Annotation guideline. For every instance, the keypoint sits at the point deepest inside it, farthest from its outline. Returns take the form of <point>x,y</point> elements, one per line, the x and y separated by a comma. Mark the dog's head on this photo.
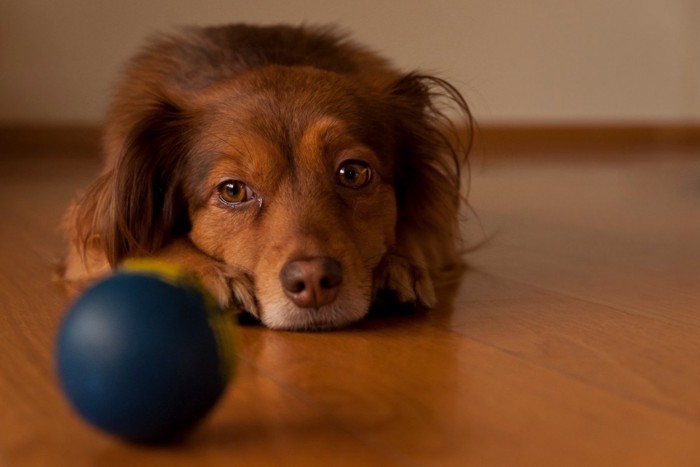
<point>287,179</point>
<point>300,176</point>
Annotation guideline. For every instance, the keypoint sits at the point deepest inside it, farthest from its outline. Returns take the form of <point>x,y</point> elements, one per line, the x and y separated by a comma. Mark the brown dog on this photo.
<point>296,173</point>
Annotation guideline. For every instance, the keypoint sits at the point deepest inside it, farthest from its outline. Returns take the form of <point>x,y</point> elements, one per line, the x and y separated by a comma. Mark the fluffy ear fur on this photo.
<point>136,207</point>
<point>431,156</point>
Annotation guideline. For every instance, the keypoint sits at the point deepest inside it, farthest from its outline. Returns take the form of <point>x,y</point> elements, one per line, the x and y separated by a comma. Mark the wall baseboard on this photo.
<point>22,139</point>
<point>579,139</point>
<point>489,140</point>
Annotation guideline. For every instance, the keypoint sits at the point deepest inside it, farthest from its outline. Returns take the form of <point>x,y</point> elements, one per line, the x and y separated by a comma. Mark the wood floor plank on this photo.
<point>442,399</point>
<point>636,357</point>
<point>624,235</point>
<point>255,424</point>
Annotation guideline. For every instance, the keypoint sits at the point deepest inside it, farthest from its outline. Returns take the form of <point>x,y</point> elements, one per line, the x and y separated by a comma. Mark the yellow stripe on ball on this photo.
<point>226,335</point>
<point>170,272</point>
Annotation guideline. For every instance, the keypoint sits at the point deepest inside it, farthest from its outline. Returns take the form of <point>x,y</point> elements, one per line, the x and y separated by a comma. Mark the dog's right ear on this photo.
<point>138,206</point>
<point>148,205</point>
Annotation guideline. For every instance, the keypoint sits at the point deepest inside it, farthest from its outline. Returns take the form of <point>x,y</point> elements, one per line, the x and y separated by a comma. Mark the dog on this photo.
<point>296,173</point>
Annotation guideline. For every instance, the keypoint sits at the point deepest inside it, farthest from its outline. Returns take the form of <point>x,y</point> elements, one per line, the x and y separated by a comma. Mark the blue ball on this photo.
<point>145,353</point>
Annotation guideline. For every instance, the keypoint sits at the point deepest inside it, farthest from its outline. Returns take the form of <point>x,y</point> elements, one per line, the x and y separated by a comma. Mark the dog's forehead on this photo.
<point>269,156</point>
<point>318,140</point>
<point>298,123</point>
<point>279,103</point>
<point>289,115</point>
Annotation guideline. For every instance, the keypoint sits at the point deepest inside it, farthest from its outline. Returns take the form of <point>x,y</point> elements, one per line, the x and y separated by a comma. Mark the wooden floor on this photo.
<point>574,339</point>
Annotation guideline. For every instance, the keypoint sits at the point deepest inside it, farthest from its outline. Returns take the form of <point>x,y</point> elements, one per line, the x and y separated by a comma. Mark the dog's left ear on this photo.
<point>432,149</point>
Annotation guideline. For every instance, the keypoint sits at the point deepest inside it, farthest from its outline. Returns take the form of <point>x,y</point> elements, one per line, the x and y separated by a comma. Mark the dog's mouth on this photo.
<point>312,293</point>
<point>282,314</point>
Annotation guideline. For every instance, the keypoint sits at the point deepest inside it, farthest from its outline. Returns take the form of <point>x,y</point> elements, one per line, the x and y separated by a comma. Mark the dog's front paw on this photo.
<point>230,286</point>
<point>410,282</point>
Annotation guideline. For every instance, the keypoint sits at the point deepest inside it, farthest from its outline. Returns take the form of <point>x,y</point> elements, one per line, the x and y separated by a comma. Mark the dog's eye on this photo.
<point>233,192</point>
<point>354,174</point>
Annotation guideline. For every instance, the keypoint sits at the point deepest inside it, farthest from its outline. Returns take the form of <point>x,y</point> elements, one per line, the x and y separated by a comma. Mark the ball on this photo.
<point>146,353</point>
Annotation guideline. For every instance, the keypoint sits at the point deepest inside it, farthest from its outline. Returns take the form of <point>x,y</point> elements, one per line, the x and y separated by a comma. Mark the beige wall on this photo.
<point>516,61</point>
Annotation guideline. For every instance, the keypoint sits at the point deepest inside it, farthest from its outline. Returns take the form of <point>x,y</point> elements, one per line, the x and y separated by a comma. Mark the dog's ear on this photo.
<point>148,206</point>
<point>138,206</point>
<point>434,127</point>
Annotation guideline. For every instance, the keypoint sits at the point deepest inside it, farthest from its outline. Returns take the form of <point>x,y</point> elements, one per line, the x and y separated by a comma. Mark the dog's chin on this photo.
<point>282,314</point>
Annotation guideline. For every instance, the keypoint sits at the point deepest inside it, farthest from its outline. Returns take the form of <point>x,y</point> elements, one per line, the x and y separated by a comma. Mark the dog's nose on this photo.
<point>312,282</point>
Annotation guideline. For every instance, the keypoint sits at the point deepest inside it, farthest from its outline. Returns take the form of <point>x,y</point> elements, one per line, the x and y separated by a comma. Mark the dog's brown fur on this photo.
<point>280,112</point>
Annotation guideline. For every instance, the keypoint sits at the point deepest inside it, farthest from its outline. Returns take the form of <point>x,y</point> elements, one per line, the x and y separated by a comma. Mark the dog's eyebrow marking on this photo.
<point>320,132</point>
<point>249,152</point>
<point>228,144</point>
<point>327,127</point>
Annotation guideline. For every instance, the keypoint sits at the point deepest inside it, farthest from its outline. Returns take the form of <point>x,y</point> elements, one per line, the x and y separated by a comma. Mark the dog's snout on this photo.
<point>312,282</point>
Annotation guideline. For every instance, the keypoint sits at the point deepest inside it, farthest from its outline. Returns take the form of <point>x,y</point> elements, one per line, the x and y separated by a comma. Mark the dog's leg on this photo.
<point>405,271</point>
<point>81,267</point>
<point>232,287</point>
